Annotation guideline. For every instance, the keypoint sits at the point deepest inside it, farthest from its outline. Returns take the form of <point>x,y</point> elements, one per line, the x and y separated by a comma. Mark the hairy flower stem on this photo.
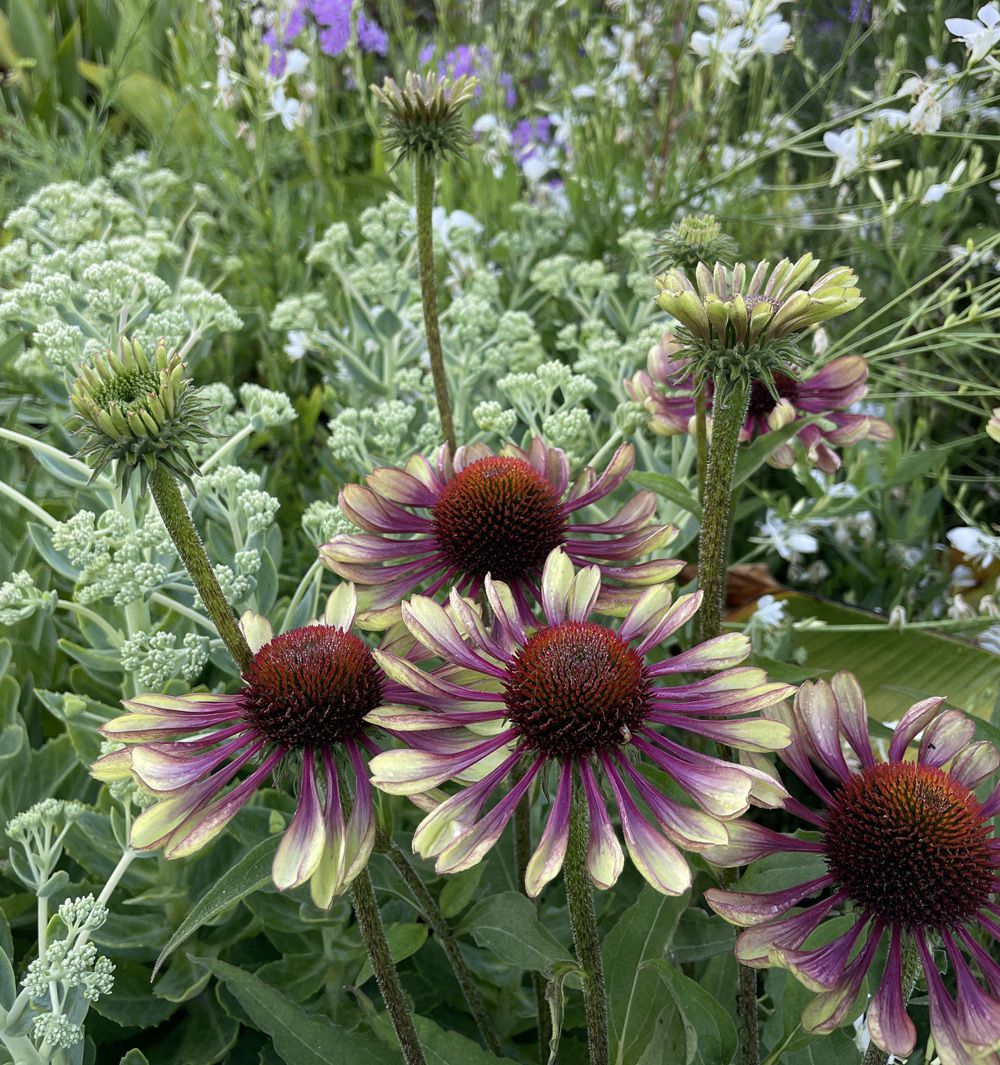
<point>442,930</point>
<point>423,180</point>
<point>522,853</point>
<point>875,1055</point>
<point>580,896</point>
<point>370,923</point>
<point>167,496</point>
<point>701,438</point>
<point>729,410</point>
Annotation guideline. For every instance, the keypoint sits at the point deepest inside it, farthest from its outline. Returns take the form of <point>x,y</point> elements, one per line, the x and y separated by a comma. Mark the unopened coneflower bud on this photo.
<point>139,411</point>
<point>695,239</point>
<point>423,116</point>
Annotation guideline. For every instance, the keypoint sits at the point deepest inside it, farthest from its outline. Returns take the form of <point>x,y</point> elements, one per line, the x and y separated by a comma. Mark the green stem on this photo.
<point>370,923</point>
<point>442,930</point>
<point>729,409</point>
<point>701,435</point>
<point>424,190</point>
<point>580,896</point>
<point>875,1055</point>
<point>176,518</point>
<point>522,854</point>
<point>746,1003</point>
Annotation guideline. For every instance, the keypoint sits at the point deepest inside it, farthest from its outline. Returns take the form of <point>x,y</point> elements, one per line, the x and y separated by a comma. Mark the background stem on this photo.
<point>373,933</point>
<point>167,496</point>
<point>442,931</point>
<point>423,177</point>
<point>580,896</point>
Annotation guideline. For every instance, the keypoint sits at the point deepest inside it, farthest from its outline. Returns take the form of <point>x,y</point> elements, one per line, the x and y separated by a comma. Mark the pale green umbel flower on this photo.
<point>723,308</point>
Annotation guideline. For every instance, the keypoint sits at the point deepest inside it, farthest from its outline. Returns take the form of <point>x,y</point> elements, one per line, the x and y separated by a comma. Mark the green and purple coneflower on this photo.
<point>580,698</point>
<point>910,853</point>
<point>432,526</point>
<point>304,704</point>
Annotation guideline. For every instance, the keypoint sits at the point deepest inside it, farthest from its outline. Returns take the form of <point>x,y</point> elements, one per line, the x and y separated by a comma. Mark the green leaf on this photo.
<point>508,926</point>
<point>635,994</point>
<point>8,983</point>
<point>670,488</point>
<point>299,1038</point>
<point>751,458</point>
<point>700,935</point>
<point>708,1028</point>
<point>134,1057</point>
<point>250,874</point>
<point>404,940</point>
<point>897,669</point>
<point>31,37</point>
<point>440,1047</point>
<point>555,996</point>
<point>132,1003</point>
<point>459,891</point>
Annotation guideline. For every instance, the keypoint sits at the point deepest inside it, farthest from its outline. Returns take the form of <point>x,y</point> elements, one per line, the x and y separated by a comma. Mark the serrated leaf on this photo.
<point>250,874</point>
<point>299,1038</point>
<point>709,1030</point>
<point>508,926</point>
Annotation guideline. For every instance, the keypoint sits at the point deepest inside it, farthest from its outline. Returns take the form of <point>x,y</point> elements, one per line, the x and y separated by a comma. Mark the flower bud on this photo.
<point>423,118</point>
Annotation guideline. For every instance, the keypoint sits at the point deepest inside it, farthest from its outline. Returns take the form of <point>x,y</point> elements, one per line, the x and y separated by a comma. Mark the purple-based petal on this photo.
<point>613,475</point>
<point>639,510</point>
<point>754,734</point>
<point>823,968</point>
<point>167,768</point>
<point>888,1021</point>
<point>721,652</point>
<point>828,1010</point>
<point>375,514</point>
<point>399,486</point>
<point>473,844</point>
<point>672,621</point>
<point>978,1013</point>
<point>975,763</point>
<point>758,945</point>
<point>747,908</point>
<point>853,715</point>
<point>605,860</point>
<point>432,627</point>
<point>816,707</point>
<point>944,737</point>
<point>406,772</point>
<point>359,836</point>
<point>327,880</point>
<point>691,829</point>
<point>301,846</point>
<point>917,718</point>
<point>545,863</point>
<point>717,787</point>
<point>749,841</point>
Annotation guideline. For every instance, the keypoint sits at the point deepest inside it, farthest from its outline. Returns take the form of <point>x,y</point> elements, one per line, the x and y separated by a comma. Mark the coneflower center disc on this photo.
<point>576,688</point>
<point>128,388</point>
<point>499,516</point>
<point>762,402</point>
<point>911,846</point>
<point>311,686</point>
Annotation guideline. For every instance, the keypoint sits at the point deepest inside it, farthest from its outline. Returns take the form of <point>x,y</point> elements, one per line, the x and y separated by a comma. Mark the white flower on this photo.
<point>848,146</point>
<point>979,35</point>
<point>774,35</point>
<point>583,92</point>
<point>296,62</point>
<point>935,193</point>
<point>975,545</point>
<point>788,539</point>
<point>770,612</point>
<point>925,115</point>
<point>297,344</point>
<point>287,108</point>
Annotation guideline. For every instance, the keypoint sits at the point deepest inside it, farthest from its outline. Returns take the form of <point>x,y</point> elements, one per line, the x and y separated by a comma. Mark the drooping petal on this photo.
<point>749,841</point>
<point>917,718</point>
<point>403,772</point>
<point>828,1010</point>
<point>605,859</point>
<point>301,848</point>
<point>748,908</point>
<point>888,1021</point>
<point>359,836</point>
<point>823,967</point>
<point>341,607</point>
<point>256,630</point>
<point>545,863</point>
<point>758,945</point>
<point>327,879</point>
<point>944,737</point>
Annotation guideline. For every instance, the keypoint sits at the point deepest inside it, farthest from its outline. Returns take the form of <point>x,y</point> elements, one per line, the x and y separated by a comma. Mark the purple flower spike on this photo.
<point>371,37</point>
<point>912,850</point>
<point>569,697</point>
<point>498,514</point>
<point>304,704</point>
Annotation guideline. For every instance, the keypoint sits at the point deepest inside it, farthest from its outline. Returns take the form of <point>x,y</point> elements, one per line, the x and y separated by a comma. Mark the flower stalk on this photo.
<point>442,930</point>
<point>166,494</point>
<point>372,931</point>
<point>729,412</point>
<point>423,180</point>
<point>580,896</point>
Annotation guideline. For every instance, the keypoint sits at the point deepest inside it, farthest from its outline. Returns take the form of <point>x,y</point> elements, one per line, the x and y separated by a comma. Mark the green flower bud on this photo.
<point>136,411</point>
<point>423,118</point>
<point>695,239</point>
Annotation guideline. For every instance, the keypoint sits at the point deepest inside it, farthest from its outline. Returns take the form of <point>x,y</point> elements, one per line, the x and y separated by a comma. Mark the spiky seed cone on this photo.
<point>423,118</point>
<point>137,412</point>
<point>692,240</point>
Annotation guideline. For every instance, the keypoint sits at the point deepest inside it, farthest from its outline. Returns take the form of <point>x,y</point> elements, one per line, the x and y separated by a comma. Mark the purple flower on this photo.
<point>371,37</point>
<point>571,697</point>
<point>909,851</point>
<point>286,29</point>
<point>335,18</point>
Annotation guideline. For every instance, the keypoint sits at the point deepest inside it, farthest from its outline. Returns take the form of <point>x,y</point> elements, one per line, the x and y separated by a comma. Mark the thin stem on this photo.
<point>701,435</point>
<point>370,923</point>
<point>729,409</point>
<point>875,1055</point>
<point>29,505</point>
<point>431,911</point>
<point>176,518</point>
<point>580,896</point>
<point>522,854</point>
<point>423,176</point>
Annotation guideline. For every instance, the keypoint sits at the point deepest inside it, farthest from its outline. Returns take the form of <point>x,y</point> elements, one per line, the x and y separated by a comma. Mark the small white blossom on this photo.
<point>979,35</point>
<point>789,539</point>
<point>975,544</point>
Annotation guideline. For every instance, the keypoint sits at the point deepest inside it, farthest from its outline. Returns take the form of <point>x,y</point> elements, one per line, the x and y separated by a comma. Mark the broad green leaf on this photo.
<point>134,1057</point>
<point>670,488</point>
<point>8,983</point>
<point>132,1003</point>
<point>508,926</point>
<point>299,1038</point>
<point>897,669</point>
<point>708,1028</point>
<point>701,935</point>
<point>753,456</point>
<point>459,890</point>
<point>440,1047</point>
<point>635,995</point>
<point>30,36</point>
<point>555,996</point>
<point>404,940</point>
<point>249,875</point>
